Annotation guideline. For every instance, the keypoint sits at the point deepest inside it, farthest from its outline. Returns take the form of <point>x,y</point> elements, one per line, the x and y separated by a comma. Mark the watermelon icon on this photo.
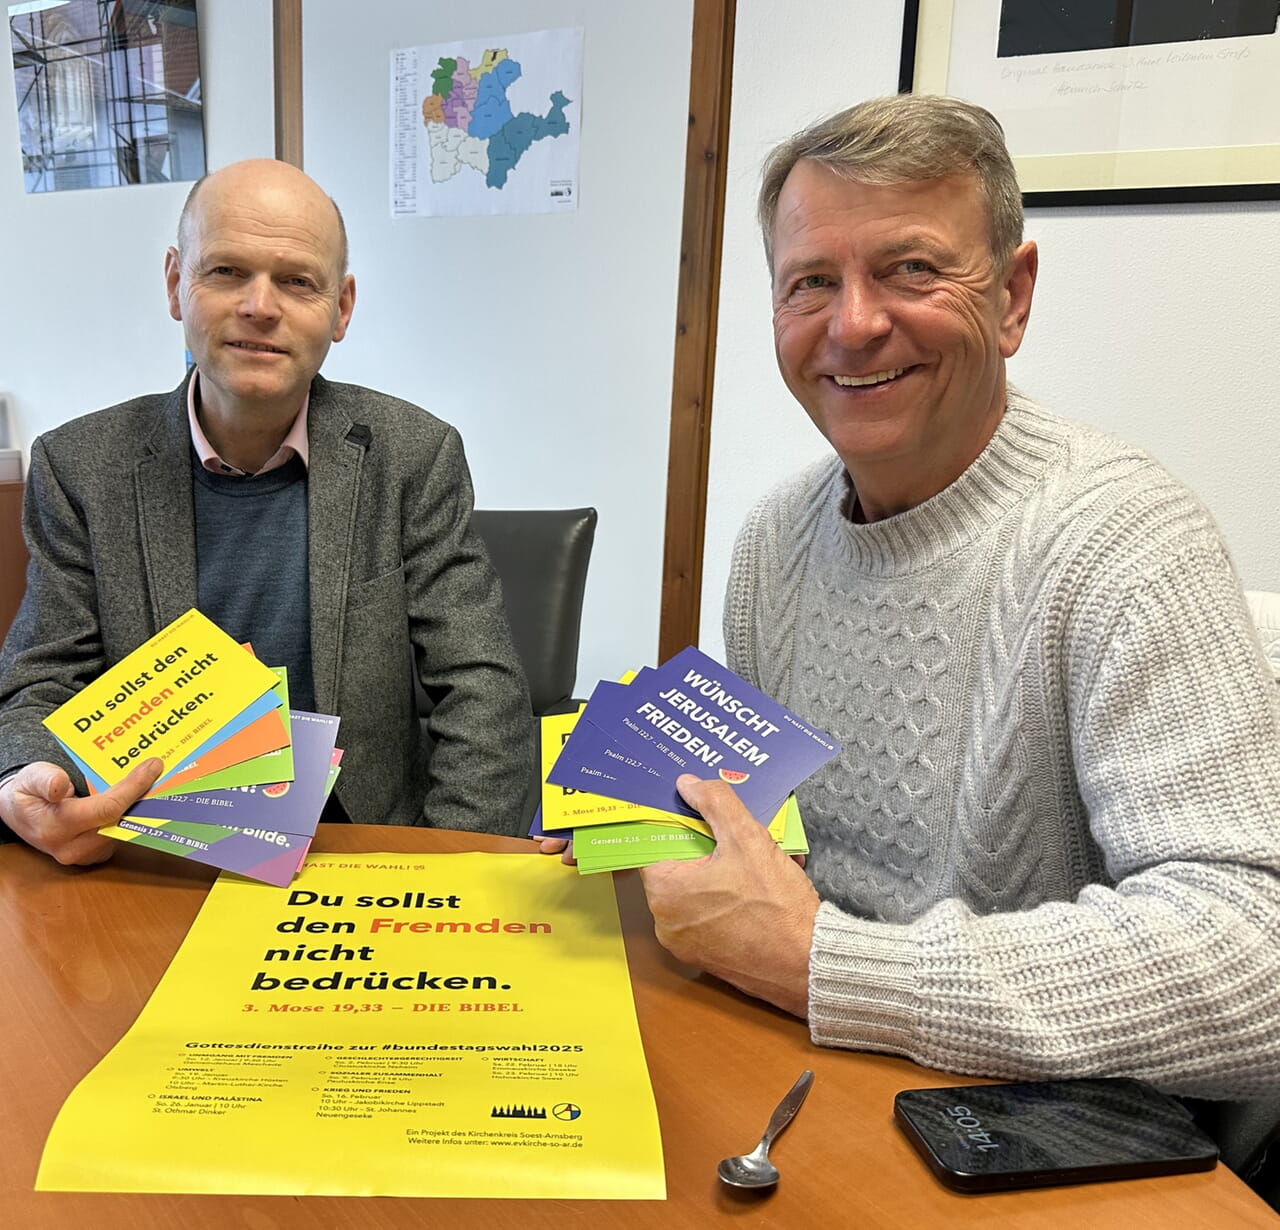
<point>274,792</point>
<point>734,777</point>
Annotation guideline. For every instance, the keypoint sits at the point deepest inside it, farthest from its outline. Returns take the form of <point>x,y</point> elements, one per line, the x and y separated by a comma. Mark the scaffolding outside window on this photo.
<point>108,92</point>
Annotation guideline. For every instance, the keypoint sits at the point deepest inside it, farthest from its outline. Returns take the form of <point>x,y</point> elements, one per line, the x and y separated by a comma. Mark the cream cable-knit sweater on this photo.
<point>1051,846</point>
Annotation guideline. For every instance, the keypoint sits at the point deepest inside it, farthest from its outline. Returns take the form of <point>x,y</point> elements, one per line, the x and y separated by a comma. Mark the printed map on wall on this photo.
<point>486,126</point>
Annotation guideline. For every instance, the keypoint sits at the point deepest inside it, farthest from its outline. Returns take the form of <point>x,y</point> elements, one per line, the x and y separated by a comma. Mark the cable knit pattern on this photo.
<point>1051,846</point>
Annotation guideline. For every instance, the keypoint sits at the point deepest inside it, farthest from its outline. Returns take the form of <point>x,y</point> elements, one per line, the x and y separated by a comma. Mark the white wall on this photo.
<point>546,339</point>
<point>1157,322</point>
<point>84,322</point>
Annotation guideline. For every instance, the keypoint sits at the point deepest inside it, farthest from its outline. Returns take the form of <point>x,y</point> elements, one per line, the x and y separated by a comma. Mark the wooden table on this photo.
<point>81,949</point>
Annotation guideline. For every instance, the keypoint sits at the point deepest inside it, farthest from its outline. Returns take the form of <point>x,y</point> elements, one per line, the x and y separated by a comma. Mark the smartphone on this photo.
<point>981,1138</point>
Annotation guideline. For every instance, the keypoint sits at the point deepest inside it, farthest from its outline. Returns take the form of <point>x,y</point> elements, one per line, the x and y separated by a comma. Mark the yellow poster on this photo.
<point>389,1024</point>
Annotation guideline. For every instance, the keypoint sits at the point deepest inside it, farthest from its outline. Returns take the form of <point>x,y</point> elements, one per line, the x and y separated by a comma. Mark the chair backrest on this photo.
<point>541,556</point>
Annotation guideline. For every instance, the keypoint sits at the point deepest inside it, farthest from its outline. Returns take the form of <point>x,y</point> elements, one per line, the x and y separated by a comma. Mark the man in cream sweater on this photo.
<point>1051,845</point>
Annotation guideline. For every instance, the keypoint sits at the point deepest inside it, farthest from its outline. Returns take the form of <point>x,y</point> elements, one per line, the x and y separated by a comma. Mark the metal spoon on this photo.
<point>754,1169</point>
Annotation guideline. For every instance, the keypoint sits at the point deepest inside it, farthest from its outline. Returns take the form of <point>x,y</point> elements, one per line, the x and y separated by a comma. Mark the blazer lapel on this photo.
<point>166,511</point>
<point>336,446</point>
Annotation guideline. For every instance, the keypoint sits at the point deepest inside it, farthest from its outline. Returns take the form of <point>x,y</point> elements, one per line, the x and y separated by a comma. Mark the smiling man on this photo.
<point>892,320</point>
<point>1051,845</point>
<point>326,524</point>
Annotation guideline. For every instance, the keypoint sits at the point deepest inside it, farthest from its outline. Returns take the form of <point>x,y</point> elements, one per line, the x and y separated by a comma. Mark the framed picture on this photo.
<point>1113,100</point>
<point>108,94</point>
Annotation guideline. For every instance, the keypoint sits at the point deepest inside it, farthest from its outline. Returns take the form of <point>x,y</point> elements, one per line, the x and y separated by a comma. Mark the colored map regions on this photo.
<point>521,131</point>
<point>492,110</point>
<point>453,94</point>
<point>470,123</point>
<point>452,149</point>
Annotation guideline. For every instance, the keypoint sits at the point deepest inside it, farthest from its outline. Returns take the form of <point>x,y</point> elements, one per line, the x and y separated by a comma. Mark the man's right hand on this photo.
<point>40,805</point>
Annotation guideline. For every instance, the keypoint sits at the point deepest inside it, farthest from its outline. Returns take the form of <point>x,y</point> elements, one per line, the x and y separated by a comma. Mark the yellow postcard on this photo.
<point>439,1025</point>
<point>171,696</point>
<point>565,808</point>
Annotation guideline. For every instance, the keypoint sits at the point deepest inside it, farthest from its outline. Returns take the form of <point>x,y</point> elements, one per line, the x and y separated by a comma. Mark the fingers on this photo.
<point>111,804</point>
<point>87,845</point>
<point>37,784</point>
<point>83,850</point>
<point>655,878</point>
<point>712,799</point>
<point>49,782</point>
<point>557,845</point>
<point>42,808</point>
<point>720,806</point>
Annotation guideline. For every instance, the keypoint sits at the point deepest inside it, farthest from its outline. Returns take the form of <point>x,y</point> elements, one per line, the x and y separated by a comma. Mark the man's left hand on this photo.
<point>744,912</point>
<point>557,845</point>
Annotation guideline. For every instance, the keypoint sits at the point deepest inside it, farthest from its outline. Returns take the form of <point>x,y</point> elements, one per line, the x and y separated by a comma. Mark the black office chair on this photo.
<point>1248,1138</point>
<point>541,556</point>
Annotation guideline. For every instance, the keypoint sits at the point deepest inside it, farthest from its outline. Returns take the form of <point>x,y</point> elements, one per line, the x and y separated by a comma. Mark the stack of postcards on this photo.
<point>609,770</point>
<point>245,777</point>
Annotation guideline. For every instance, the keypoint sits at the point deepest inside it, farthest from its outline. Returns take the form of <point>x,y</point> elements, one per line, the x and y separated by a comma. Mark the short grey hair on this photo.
<point>905,138</point>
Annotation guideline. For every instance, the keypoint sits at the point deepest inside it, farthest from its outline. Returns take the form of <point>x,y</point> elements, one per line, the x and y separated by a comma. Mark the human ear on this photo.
<point>1019,283</point>
<point>346,305</point>
<point>172,276</point>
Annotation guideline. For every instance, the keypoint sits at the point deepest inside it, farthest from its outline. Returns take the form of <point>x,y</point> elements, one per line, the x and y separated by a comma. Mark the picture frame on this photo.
<point>1092,94</point>
<point>108,95</point>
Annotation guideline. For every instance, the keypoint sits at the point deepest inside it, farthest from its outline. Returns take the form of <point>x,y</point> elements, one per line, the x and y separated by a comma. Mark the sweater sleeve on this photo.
<point>1170,969</point>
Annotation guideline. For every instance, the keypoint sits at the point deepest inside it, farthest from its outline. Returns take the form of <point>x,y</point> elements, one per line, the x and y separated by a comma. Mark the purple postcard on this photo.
<point>690,715</point>
<point>591,760</point>
<point>273,857</point>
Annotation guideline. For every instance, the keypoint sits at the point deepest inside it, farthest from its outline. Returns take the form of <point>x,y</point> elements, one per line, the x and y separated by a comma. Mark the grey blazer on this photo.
<point>397,580</point>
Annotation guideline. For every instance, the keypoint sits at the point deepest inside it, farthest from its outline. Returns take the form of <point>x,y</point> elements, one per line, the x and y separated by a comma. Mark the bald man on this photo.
<point>326,524</point>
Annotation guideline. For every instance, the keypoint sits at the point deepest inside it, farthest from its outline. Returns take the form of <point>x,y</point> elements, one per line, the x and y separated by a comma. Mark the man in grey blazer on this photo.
<point>326,523</point>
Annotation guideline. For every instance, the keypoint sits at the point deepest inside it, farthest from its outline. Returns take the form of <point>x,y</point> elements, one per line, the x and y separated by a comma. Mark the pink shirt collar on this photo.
<point>294,443</point>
